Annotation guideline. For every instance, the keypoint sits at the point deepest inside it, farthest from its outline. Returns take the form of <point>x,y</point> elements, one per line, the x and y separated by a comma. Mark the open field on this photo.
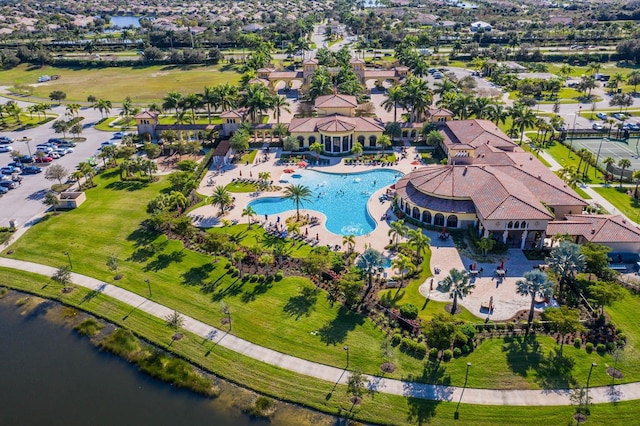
<point>143,84</point>
<point>626,204</point>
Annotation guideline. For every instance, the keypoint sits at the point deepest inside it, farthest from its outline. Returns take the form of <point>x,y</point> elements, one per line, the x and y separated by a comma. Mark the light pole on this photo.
<point>593,364</point>
<point>69,258</point>
<point>573,131</point>
<point>346,348</point>
<point>598,155</point>
<point>466,376</point>
<point>146,280</point>
<point>28,148</point>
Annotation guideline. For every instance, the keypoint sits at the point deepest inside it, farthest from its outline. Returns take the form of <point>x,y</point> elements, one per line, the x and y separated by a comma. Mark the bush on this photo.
<point>589,347</point>
<point>395,339</point>
<point>457,352</point>
<point>447,355</point>
<point>611,346</point>
<point>469,331</point>
<point>501,326</point>
<point>511,326</point>
<point>601,348</point>
<point>466,349</point>
<point>409,311</point>
<point>262,278</point>
<point>245,278</point>
<point>577,343</point>
<point>254,278</point>
<point>433,353</point>
<point>490,326</point>
<point>622,338</point>
<point>279,275</point>
<point>419,350</point>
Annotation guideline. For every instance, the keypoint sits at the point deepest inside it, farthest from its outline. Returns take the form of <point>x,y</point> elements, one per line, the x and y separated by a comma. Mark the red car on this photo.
<point>43,159</point>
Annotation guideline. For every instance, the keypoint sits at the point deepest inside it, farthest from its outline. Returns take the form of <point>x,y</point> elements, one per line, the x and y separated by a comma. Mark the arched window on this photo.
<point>372,140</point>
<point>452,221</point>
<point>516,225</point>
<point>510,225</point>
<point>416,213</point>
<point>523,225</point>
<point>401,203</point>
<point>407,208</point>
<point>327,143</point>
<point>300,141</point>
<point>438,219</point>
<point>426,216</point>
<point>312,140</point>
<point>361,140</point>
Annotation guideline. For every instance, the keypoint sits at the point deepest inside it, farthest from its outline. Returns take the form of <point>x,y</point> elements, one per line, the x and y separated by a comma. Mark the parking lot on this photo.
<point>24,203</point>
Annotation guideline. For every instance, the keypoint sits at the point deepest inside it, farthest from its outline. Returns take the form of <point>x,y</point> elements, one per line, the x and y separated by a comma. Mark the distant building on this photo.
<point>480,26</point>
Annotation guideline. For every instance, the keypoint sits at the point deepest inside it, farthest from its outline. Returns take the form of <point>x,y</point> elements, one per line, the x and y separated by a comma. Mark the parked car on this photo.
<point>619,116</point>
<point>597,126</point>
<point>5,148</point>
<point>630,126</point>
<point>54,155</point>
<point>9,184</point>
<point>31,170</point>
<point>8,170</point>
<point>61,151</point>
<point>44,159</point>
<point>437,75</point>
<point>601,115</point>
<point>3,190</point>
<point>25,159</point>
<point>66,144</point>
<point>118,135</point>
<point>5,140</point>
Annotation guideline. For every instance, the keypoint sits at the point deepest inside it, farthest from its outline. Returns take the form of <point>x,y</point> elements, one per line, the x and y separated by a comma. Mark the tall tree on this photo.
<point>298,194</point>
<point>458,285</point>
<point>535,284</point>
<point>397,230</point>
<point>565,261</point>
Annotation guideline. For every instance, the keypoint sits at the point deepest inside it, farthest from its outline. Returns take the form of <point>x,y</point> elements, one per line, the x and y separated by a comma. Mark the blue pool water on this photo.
<point>341,197</point>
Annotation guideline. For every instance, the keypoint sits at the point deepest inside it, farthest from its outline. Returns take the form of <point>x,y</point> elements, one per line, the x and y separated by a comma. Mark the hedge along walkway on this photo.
<point>626,392</point>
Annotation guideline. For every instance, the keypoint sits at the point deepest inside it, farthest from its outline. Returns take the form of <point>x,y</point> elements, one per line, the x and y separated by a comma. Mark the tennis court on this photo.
<point>613,148</point>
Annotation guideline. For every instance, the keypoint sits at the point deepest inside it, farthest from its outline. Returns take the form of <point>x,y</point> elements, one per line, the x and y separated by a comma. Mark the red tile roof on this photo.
<point>335,123</point>
<point>476,133</point>
<point>336,101</point>
<point>600,229</point>
<point>147,114</point>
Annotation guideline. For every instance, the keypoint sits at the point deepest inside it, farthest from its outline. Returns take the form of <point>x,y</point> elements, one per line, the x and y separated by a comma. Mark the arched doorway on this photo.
<point>452,221</point>
<point>438,219</point>
<point>416,213</point>
<point>426,216</point>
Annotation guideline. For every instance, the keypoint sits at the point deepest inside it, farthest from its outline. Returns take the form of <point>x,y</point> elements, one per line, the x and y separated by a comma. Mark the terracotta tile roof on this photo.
<point>336,101</point>
<point>335,123</point>
<point>476,133</point>
<point>267,70</point>
<point>259,81</point>
<point>147,114</point>
<point>379,73</point>
<point>600,229</point>
<point>494,194</point>
<point>440,112</point>
<point>310,61</point>
<point>356,61</point>
<point>285,74</point>
<point>234,113</point>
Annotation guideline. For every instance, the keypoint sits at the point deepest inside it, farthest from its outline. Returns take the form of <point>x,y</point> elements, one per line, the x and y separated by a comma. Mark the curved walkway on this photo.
<point>626,392</point>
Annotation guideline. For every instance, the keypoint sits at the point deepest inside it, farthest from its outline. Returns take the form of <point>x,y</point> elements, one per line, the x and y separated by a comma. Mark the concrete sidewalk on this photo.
<point>626,392</point>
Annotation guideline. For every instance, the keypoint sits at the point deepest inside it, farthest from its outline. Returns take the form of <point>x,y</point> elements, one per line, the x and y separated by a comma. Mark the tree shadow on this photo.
<point>142,236</point>
<point>391,297</point>
<point>133,185</point>
<point>555,370</point>
<point>164,260</point>
<point>427,390</point>
<point>37,195</point>
<point>93,293</point>
<point>210,286</point>
<point>260,288</point>
<point>237,237</point>
<point>40,309</point>
<point>303,303</point>
<point>335,331</point>
<point>197,275</point>
<point>233,289</point>
<point>523,353</point>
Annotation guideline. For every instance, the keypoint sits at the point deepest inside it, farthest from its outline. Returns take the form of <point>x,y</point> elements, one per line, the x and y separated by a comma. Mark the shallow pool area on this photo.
<point>342,198</point>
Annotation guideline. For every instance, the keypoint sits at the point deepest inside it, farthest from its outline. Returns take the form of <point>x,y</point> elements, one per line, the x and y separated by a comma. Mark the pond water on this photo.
<point>342,198</point>
<point>51,376</point>
<point>125,21</point>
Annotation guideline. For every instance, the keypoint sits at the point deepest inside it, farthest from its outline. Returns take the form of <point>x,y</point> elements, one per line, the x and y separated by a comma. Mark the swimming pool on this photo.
<point>341,197</point>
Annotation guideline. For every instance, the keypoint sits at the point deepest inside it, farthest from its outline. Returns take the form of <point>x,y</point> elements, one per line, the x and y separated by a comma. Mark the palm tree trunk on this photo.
<point>530,320</point>
<point>454,305</point>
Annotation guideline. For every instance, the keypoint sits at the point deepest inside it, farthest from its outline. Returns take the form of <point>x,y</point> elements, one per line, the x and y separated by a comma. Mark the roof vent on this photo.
<point>539,176</point>
<point>593,231</point>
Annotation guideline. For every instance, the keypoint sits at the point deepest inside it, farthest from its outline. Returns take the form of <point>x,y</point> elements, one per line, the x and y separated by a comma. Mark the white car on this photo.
<point>597,126</point>
<point>5,148</point>
<point>54,155</point>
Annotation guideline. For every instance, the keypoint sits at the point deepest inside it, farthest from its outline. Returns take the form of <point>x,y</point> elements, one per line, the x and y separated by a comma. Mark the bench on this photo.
<point>618,267</point>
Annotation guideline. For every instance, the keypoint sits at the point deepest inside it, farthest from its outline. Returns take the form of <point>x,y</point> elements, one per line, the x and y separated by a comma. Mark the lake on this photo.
<point>125,21</point>
<point>51,375</point>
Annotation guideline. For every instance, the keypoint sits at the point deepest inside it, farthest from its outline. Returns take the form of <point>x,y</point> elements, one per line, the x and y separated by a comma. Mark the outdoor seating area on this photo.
<point>370,162</point>
<point>281,232</point>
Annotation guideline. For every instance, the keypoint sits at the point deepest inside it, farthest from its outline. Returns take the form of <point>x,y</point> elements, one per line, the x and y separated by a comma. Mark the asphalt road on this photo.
<point>25,202</point>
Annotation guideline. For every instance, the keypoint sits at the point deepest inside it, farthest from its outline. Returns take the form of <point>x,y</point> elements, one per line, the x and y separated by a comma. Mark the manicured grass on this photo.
<point>143,84</point>
<point>581,193</point>
<point>200,119</point>
<point>10,124</point>
<point>376,408</point>
<point>560,153</point>
<point>241,187</point>
<point>624,315</point>
<point>248,156</point>
<point>104,125</point>
<point>626,204</point>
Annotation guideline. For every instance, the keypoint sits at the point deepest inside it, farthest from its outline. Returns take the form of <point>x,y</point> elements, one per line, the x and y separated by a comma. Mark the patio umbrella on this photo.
<point>288,170</point>
<point>302,164</point>
<point>415,163</point>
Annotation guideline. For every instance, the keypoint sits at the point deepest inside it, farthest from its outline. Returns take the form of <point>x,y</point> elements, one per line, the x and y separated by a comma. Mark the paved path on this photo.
<point>630,391</point>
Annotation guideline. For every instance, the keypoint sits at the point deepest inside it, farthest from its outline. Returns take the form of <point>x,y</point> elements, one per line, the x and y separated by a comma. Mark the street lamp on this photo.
<point>146,280</point>
<point>346,348</point>
<point>573,131</point>
<point>69,258</point>
<point>466,376</point>
<point>28,148</point>
<point>593,364</point>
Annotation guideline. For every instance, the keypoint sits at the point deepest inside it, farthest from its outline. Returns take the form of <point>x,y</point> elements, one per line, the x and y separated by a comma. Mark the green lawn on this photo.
<point>144,84</point>
<point>321,395</point>
<point>241,187</point>
<point>626,204</point>
<point>249,156</point>
<point>26,121</point>
<point>560,153</point>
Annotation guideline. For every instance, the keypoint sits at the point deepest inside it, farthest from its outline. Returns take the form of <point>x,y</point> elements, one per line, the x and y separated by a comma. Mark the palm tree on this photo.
<point>523,118</point>
<point>565,260</point>
<point>458,285</point>
<point>404,265</point>
<point>636,177</point>
<point>397,229</point>
<point>171,101</point>
<point>220,197</point>
<point>249,212</point>
<point>534,284</point>
<point>298,194</point>
<point>419,242</point>
<point>608,162</point>
<point>209,99</point>
<point>369,262</point>
<point>395,96</point>
<point>316,147</point>
<point>104,106</point>
<point>256,99</point>
<point>349,241</point>
<point>497,114</point>
<point>623,164</point>
<point>417,97</point>
<point>357,149</point>
<point>72,109</point>
<point>321,84</point>
<point>191,102</point>
<point>279,103</point>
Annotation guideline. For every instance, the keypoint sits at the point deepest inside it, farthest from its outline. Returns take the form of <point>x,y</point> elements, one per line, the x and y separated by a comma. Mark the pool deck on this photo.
<point>505,300</point>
